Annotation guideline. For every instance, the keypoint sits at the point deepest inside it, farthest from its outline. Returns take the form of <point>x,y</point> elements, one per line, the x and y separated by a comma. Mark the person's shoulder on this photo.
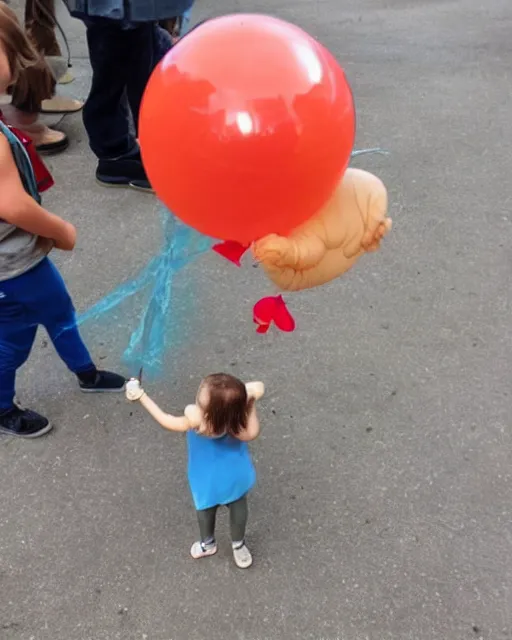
<point>196,431</point>
<point>5,147</point>
<point>6,154</point>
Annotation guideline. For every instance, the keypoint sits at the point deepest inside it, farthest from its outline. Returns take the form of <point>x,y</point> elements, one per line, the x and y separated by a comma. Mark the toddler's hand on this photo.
<point>255,390</point>
<point>193,415</point>
<point>67,239</point>
<point>134,391</point>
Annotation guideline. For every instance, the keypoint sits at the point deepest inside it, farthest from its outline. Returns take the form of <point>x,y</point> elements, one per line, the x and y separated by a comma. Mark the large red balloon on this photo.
<point>246,127</point>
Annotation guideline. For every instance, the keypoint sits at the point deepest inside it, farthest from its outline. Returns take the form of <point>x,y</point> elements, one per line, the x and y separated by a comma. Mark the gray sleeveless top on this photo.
<point>20,250</point>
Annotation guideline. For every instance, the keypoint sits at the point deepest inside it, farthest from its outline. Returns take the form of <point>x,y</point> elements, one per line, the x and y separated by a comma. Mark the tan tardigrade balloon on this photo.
<point>352,223</point>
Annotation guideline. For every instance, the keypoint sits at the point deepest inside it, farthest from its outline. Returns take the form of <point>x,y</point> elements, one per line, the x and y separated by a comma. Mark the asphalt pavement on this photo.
<point>383,509</point>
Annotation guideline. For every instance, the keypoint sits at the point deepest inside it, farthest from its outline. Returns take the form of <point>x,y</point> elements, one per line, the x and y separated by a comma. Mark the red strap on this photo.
<point>44,178</point>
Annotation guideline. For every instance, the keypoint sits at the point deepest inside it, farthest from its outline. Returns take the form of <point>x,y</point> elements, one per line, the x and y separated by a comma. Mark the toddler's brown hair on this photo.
<point>228,405</point>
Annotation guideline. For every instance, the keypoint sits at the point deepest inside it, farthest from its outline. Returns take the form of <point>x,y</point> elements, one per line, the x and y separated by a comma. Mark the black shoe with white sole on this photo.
<point>23,423</point>
<point>95,381</point>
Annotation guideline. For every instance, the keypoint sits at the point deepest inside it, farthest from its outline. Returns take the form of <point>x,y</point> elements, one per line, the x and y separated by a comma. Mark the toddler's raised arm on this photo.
<point>135,392</point>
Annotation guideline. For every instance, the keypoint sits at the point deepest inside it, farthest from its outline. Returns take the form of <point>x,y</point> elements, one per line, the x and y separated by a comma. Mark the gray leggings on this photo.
<point>238,513</point>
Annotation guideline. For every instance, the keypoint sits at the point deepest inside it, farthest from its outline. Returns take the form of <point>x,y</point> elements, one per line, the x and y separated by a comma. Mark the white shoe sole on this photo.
<point>124,185</point>
<point>102,390</point>
<point>203,554</point>
<point>243,563</point>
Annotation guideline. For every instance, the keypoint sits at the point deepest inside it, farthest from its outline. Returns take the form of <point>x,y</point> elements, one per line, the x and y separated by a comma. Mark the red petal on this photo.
<point>232,251</point>
<point>273,309</point>
<point>263,328</point>
<point>282,317</point>
<point>264,310</point>
<point>263,313</point>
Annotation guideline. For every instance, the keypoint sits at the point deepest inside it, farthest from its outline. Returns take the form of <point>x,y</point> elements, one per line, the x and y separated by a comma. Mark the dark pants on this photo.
<point>122,60</point>
<point>238,513</point>
<point>37,297</point>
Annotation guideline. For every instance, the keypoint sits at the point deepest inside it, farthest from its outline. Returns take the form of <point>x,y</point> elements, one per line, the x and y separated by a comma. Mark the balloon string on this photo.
<point>363,152</point>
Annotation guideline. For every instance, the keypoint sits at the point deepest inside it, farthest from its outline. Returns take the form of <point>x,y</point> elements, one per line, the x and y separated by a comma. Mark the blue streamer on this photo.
<point>150,340</point>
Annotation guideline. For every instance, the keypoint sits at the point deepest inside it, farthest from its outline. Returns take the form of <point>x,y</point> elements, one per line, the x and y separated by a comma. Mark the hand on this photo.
<point>375,234</point>
<point>67,238</point>
<point>255,390</point>
<point>194,415</point>
<point>273,250</point>
<point>134,391</point>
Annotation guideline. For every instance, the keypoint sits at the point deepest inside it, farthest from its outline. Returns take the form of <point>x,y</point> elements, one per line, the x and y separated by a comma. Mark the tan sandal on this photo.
<point>66,78</point>
<point>46,140</point>
<point>61,105</point>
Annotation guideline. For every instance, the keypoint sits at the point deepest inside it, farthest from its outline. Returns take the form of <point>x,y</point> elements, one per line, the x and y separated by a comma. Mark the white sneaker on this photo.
<point>200,550</point>
<point>242,557</point>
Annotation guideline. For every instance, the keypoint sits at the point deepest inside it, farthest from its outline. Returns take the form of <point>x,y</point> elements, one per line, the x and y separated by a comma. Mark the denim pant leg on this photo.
<point>37,297</point>
<point>48,303</point>
<point>59,320</point>
<point>17,336</point>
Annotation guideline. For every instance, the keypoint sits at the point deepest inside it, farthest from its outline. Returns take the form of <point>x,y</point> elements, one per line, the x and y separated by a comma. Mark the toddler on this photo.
<point>220,469</point>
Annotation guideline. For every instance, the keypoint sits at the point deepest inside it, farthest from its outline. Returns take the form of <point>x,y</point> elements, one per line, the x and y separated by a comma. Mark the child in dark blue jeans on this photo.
<point>32,291</point>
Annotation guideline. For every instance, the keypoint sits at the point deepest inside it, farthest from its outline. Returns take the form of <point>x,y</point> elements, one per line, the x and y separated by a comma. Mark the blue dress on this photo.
<point>220,470</point>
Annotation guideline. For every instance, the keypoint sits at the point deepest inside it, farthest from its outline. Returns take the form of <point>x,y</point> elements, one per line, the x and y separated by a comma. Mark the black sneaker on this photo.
<point>95,381</point>
<point>23,423</point>
<point>127,171</point>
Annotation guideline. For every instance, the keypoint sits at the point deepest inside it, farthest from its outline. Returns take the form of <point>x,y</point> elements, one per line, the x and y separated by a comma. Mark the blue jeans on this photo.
<point>37,297</point>
<point>122,60</point>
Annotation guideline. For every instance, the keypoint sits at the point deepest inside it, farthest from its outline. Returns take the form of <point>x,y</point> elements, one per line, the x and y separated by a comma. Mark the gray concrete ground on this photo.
<point>383,506</point>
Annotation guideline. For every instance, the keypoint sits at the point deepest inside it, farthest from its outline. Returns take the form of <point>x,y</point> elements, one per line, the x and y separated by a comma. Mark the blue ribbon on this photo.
<point>150,340</point>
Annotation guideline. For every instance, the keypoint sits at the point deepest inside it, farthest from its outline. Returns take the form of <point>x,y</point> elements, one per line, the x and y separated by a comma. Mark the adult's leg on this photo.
<point>106,116</point>
<point>178,26</point>
<point>40,23</point>
<point>206,546</point>
<point>106,112</point>
<point>35,85</point>
<point>149,44</point>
